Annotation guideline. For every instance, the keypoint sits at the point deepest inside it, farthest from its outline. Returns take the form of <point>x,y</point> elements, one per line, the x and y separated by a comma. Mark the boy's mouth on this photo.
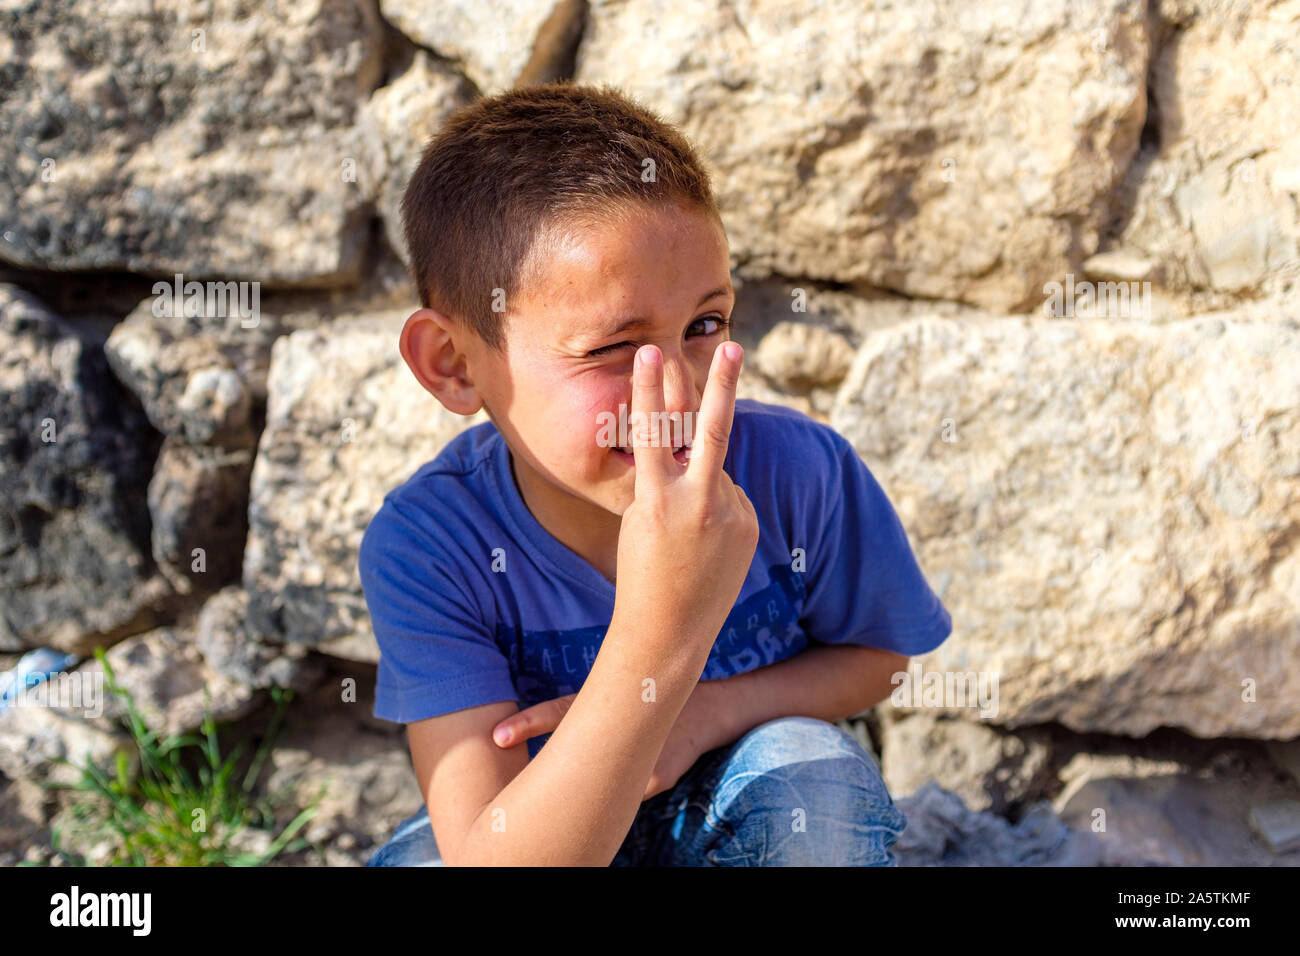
<point>625,454</point>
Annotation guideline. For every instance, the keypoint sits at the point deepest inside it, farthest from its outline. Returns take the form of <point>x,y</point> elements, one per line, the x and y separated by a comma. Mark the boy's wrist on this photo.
<point>724,702</point>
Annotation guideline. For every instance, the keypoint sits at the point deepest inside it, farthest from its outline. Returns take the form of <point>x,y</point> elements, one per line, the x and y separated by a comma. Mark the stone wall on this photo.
<point>1039,263</point>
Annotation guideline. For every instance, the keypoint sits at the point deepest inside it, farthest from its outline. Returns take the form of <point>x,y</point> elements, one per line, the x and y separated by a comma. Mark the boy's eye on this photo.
<point>718,321</point>
<point>606,349</point>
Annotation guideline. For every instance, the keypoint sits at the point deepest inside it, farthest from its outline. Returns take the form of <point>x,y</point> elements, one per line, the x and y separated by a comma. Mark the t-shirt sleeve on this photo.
<point>864,584</point>
<point>436,650</point>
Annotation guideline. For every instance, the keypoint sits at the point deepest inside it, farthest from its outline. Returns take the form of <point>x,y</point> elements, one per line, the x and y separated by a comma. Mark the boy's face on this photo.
<point>549,394</point>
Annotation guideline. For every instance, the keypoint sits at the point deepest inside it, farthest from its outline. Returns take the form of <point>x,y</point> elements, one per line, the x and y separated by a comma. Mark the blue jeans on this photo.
<point>795,791</point>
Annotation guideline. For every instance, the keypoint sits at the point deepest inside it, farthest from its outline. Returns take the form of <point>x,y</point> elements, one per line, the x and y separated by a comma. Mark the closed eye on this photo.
<point>606,349</point>
<point>719,321</point>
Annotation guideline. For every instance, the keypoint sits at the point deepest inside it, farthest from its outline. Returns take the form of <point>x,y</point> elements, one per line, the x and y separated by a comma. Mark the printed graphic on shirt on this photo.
<point>761,629</point>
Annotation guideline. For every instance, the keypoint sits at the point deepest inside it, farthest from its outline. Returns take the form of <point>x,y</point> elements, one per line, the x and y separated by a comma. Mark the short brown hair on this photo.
<point>506,173</point>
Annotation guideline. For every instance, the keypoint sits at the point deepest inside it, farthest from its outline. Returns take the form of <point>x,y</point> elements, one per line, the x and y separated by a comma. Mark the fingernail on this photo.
<point>647,357</point>
<point>731,350</point>
<point>502,736</point>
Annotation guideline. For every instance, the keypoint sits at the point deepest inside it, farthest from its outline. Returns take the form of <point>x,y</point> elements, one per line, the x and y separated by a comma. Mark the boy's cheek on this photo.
<point>595,413</point>
<point>566,414</point>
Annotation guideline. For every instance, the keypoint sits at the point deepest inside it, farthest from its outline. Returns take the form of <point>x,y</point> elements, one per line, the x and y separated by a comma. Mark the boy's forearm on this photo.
<point>574,803</point>
<point>828,681</point>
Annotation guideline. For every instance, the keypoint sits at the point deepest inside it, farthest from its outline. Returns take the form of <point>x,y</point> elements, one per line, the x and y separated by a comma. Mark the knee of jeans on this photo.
<point>798,755</point>
<point>799,791</point>
<point>787,740</point>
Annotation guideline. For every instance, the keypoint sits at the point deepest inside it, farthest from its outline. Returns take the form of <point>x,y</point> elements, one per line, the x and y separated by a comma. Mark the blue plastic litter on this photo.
<point>32,668</point>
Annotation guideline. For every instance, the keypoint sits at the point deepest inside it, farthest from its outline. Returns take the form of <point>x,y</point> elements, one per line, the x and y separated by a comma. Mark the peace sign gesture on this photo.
<point>687,539</point>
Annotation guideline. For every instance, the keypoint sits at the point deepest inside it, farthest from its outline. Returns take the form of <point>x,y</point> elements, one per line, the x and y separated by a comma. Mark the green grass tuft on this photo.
<point>180,804</point>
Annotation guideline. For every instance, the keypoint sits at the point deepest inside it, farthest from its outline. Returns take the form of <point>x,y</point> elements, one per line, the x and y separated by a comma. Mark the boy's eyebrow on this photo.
<point>640,322</point>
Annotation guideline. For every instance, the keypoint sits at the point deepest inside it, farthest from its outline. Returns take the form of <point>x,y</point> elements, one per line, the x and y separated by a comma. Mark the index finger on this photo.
<point>532,721</point>
<point>652,459</point>
<point>717,407</point>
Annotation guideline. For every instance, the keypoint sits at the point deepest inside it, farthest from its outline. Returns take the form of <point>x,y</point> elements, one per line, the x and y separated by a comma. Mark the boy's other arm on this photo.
<point>828,681</point>
<point>459,771</point>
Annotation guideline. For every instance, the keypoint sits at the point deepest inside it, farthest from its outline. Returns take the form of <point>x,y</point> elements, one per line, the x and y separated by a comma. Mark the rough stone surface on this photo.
<point>198,501</point>
<point>490,42</point>
<point>32,739</point>
<point>1169,799</point>
<point>988,769</point>
<point>1277,825</point>
<point>801,356</point>
<point>167,679</point>
<point>397,123</point>
<point>201,377</point>
<point>346,422</point>
<point>935,148</point>
<point>852,313</point>
<point>942,831</point>
<point>1119,267</point>
<point>1109,511</point>
<point>1172,820</point>
<point>753,384</point>
<point>834,319</point>
<point>160,139</point>
<point>228,647</point>
<point>1213,195</point>
<point>198,378</point>
<point>24,814</point>
<point>359,768</point>
<point>1286,754</point>
<point>74,532</point>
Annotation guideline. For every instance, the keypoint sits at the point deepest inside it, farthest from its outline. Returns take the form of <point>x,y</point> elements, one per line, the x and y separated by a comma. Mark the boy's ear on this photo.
<point>431,353</point>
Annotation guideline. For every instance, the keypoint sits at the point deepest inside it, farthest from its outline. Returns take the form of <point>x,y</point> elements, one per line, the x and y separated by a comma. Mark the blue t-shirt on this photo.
<point>473,601</point>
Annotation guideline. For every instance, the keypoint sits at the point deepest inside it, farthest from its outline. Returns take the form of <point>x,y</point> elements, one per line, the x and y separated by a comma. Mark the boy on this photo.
<point>698,603</point>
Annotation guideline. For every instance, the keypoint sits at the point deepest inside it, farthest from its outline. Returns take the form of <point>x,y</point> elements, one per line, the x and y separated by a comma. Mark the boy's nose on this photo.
<point>679,385</point>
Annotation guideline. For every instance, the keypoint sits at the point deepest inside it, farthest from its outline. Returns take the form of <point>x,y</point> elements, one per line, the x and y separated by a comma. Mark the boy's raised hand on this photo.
<point>688,537</point>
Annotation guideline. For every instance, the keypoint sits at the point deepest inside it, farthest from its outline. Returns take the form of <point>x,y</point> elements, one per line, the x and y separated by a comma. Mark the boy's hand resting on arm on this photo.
<point>699,728</point>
